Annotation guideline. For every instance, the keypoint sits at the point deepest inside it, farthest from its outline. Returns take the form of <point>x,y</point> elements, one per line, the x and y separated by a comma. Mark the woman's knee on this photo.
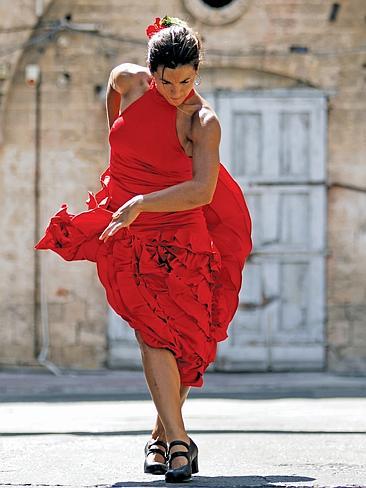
<point>138,337</point>
<point>143,346</point>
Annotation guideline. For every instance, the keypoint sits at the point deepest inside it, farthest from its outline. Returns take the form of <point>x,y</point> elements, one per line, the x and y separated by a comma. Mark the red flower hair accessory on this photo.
<point>155,27</point>
<point>163,23</point>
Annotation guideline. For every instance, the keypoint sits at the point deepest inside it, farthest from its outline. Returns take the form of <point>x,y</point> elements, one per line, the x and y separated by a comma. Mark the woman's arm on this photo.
<point>206,134</point>
<point>113,103</point>
<point>124,80</point>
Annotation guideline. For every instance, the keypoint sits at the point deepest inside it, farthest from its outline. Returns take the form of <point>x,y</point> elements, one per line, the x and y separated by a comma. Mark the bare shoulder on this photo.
<point>205,120</point>
<point>127,77</point>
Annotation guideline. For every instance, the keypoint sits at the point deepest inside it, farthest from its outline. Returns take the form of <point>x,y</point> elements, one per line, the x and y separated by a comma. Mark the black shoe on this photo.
<point>183,473</point>
<point>154,467</point>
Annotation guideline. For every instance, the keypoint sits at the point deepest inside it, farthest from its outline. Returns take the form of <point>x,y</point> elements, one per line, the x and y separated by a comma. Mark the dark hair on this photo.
<point>173,46</point>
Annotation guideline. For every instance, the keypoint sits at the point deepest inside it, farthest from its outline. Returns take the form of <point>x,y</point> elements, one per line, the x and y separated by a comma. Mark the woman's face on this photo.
<point>176,83</point>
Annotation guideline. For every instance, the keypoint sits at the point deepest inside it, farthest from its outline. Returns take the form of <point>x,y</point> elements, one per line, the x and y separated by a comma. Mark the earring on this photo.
<point>197,81</point>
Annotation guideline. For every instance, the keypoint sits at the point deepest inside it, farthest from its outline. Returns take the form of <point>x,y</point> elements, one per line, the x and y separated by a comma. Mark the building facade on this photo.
<point>287,80</point>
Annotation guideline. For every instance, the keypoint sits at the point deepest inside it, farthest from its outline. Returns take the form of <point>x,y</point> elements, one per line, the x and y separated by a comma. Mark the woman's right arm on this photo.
<point>124,80</point>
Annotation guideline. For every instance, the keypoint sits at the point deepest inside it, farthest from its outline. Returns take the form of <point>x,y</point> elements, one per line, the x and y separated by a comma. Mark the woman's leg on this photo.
<point>158,432</point>
<point>163,380</point>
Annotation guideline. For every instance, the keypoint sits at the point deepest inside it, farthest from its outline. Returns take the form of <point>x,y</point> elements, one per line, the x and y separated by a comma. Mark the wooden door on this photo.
<point>273,143</point>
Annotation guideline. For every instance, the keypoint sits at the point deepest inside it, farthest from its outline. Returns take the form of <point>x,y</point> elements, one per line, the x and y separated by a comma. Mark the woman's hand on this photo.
<point>123,217</point>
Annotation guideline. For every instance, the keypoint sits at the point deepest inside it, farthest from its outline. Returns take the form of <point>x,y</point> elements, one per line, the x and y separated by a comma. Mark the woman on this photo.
<point>169,231</point>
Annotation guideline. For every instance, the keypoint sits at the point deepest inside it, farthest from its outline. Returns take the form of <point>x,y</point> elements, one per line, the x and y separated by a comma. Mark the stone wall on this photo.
<point>249,52</point>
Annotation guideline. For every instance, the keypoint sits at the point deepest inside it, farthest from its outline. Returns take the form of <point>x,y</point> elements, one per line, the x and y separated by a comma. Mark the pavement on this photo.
<point>89,428</point>
<point>39,384</point>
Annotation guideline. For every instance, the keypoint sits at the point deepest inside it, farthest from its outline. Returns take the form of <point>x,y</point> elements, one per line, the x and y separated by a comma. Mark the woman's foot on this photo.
<point>179,460</point>
<point>155,456</point>
<point>179,449</point>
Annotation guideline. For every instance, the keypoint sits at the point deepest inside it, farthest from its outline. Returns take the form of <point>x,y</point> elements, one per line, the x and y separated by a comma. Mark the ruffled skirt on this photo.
<point>178,287</point>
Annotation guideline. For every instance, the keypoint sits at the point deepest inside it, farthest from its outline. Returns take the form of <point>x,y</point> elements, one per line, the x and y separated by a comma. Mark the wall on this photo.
<point>250,52</point>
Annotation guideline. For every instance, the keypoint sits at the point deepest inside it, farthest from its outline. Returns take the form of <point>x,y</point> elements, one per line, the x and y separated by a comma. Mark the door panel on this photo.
<point>287,219</point>
<point>274,144</point>
<point>278,138</point>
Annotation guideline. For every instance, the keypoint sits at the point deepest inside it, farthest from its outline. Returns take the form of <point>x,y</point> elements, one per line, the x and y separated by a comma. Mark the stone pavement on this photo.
<point>88,429</point>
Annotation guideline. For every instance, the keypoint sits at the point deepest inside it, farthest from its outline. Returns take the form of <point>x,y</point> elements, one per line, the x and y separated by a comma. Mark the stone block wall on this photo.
<point>249,52</point>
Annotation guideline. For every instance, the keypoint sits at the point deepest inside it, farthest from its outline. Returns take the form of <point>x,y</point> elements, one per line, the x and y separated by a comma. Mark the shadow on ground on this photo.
<point>225,481</point>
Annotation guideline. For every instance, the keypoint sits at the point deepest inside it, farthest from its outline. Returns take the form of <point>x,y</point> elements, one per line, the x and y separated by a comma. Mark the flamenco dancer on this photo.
<point>169,231</point>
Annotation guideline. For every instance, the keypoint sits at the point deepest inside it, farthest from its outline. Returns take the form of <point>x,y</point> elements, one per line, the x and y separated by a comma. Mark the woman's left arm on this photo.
<point>206,134</point>
<point>205,164</point>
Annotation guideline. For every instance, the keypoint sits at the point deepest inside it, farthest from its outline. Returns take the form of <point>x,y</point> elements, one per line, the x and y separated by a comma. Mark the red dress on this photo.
<point>173,276</point>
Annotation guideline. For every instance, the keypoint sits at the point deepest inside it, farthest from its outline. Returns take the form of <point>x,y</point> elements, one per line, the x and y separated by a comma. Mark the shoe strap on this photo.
<point>159,443</point>
<point>178,442</point>
<point>179,453</point>
<point>156,450</point>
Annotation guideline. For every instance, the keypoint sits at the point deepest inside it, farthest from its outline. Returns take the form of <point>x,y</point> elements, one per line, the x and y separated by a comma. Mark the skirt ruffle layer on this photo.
<point>177,287</point>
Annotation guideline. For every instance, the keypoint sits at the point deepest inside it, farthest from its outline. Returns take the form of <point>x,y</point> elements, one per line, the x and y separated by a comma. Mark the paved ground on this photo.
<point>252,430</point>
<point>37,384</point>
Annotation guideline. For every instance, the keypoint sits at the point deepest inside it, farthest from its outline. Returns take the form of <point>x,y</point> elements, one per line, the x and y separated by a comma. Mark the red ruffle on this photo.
<point>76,237</point>
<point>230,226</point>
<point>163,281</point>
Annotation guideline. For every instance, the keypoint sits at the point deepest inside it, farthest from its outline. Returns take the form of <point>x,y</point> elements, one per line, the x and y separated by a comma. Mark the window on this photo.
<point>216,12</point>
<point>217,3</point>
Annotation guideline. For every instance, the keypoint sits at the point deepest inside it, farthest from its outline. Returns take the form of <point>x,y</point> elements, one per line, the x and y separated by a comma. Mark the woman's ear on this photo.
<point>197,80</point>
